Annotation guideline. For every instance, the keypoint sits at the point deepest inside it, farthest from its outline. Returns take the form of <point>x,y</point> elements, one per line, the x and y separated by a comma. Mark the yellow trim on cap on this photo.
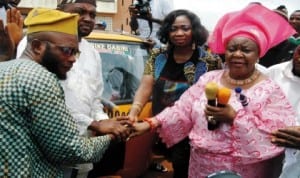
<point>43,19</point>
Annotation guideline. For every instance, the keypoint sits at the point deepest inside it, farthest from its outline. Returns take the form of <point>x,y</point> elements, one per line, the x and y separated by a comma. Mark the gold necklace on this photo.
<point>246,81</point>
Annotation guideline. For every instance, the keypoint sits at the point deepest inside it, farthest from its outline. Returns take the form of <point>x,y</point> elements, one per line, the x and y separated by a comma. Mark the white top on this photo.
<point>21,47</point>
<point>3,15</point>
<point>83,88</point>
<point>290,84</point>
<point>159,9</point>
<point>261,68</point>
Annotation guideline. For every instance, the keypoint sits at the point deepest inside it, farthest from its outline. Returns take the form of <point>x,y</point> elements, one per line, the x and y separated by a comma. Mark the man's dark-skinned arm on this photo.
<point>120,128</point>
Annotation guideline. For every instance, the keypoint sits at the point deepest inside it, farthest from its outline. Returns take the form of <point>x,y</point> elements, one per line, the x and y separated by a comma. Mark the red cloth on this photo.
<point>255,22</point>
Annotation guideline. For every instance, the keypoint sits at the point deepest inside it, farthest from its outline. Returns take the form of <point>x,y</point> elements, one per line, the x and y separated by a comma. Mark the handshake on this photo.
<point>121,128</point>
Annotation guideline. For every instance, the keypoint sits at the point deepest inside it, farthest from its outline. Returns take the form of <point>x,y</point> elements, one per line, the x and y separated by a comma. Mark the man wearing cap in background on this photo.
<point>38,134</point>
<point>84,84</point>
<point>149,14</point>
<point>100,25</point>
<point>283,51</point>
<point>295,22</point>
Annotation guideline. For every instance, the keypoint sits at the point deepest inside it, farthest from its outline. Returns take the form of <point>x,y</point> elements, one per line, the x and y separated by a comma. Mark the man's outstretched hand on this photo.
<point>287,137</point>
<point>120,128</point>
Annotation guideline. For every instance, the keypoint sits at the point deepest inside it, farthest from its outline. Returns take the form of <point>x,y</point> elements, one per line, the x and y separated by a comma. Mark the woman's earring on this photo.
<point>194,46</point>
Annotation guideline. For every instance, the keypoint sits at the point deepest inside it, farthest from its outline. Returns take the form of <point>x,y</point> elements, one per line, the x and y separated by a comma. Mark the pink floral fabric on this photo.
<point>243,147</point>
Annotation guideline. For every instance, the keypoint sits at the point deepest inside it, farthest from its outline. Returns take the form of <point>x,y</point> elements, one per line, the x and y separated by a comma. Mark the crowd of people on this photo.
<point>52,121</point>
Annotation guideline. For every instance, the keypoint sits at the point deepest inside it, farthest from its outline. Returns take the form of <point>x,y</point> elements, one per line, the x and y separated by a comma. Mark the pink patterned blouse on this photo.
<point>243,147</point>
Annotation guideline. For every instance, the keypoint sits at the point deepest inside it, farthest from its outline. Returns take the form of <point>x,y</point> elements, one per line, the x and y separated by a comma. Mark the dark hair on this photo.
<point>199,32</point>
<point>296,11</point>
<point>64,2</point>
<point>281,7</point>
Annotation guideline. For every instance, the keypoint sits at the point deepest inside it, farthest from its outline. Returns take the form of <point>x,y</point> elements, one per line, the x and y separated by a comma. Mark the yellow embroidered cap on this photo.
<point>44,19</point>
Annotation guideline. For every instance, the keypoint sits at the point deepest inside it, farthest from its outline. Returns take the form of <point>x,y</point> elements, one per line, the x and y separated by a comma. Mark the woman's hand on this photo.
<point>140,128</point>
<point>287,137</point>
<point>133,117</point>
<point>222,114</point>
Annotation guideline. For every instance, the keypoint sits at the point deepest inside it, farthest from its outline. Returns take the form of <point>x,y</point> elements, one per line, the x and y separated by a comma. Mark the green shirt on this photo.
<point>37,133</point>
<point>295,40</point>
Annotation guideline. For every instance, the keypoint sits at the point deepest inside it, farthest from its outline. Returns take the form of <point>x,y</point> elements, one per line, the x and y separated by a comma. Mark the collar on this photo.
<point>289,74</point>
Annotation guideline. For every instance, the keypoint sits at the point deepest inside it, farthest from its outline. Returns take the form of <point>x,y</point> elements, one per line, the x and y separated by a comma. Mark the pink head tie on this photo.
<point>256,22</point>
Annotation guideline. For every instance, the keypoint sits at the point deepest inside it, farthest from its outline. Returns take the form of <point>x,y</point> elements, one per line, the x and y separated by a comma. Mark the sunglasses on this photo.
<point>67,51</point>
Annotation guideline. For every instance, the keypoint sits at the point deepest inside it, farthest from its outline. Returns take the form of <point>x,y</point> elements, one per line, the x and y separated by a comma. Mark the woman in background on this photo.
<point>169,72</point>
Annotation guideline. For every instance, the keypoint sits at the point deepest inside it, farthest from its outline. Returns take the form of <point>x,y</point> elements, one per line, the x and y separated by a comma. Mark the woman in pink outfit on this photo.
<point>241,142</point>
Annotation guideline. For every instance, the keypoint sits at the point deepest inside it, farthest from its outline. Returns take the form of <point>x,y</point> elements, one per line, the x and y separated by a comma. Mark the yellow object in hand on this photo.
<point>223,96</point>
<point>211,90</point>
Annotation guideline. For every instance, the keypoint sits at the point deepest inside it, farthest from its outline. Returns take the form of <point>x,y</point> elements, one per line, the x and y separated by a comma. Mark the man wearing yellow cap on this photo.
<point>84,84</point>
<point>37,132</point>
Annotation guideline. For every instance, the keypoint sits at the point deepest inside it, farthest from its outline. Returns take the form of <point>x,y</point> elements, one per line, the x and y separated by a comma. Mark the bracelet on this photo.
<point>149,121</point>
<point>137,105</point>
<point>138,108</point>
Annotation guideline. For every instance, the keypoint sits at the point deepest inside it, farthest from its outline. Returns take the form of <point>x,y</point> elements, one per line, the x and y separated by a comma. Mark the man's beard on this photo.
<point>296,72</point>
<point>83,33</point>
<point>52,63</point>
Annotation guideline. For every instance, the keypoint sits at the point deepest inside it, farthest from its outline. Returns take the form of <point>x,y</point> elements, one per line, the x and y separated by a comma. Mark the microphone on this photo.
<point>223,96</point>
<point>211,90</point>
